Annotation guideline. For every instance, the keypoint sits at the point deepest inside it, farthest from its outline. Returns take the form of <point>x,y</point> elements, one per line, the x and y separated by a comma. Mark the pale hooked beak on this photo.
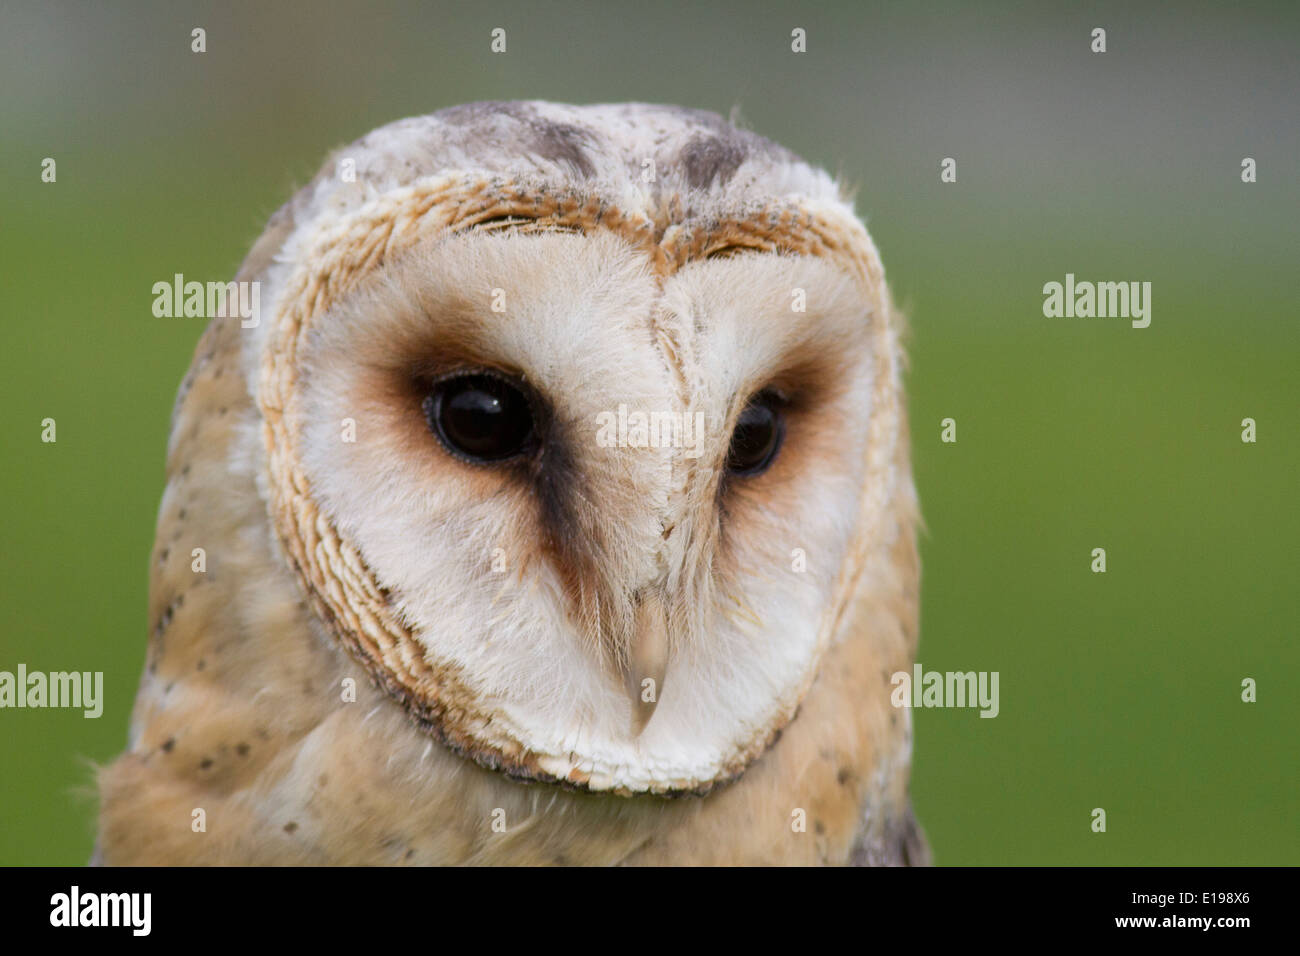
<point>647,659</point>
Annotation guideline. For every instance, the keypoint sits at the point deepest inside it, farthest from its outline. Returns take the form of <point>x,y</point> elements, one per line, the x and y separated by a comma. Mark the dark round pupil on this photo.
<point>757,437</point>
<point>480,417</point>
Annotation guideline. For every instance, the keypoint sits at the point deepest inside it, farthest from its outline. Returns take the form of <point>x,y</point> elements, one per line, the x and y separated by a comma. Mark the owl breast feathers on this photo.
<point>554,506</point>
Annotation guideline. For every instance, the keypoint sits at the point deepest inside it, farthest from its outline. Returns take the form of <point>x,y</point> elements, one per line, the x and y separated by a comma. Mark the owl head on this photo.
<point>581,430</point>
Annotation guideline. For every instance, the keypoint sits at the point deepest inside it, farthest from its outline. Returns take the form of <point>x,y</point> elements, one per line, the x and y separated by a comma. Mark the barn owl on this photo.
<point>555,508</point>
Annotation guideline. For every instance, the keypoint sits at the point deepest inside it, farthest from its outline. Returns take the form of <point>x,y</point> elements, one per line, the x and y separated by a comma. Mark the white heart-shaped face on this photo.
<point>509,604</point>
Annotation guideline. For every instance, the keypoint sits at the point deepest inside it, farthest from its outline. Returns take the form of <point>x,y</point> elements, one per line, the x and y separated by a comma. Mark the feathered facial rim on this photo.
<point>338,254</point>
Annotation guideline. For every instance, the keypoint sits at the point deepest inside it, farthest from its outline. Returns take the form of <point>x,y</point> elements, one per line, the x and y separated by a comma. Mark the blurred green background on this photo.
<point>1119,691</point>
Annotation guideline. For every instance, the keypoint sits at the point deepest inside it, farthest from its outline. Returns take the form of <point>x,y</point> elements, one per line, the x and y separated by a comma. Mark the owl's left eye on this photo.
<point>481,418</point>
<point>758,435</point>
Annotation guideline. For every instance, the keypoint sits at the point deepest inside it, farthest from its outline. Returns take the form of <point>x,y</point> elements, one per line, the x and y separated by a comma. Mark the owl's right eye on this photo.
<point>480,417</point>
